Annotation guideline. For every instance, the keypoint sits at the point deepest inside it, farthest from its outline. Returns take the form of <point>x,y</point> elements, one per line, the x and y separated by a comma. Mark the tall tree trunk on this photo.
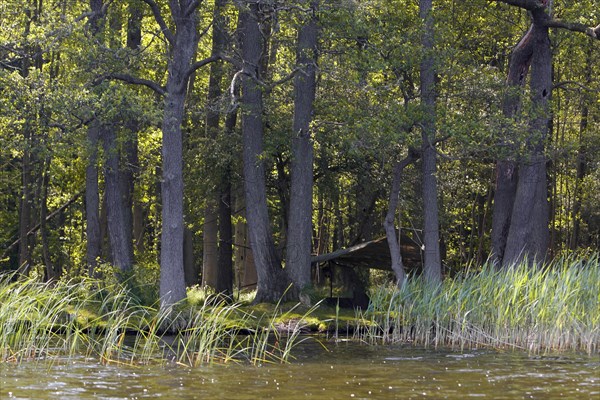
<point>132,169</point>
<point>299,237</point>
<point>213,119</point>
<point>52,272</point>
<point>581,163</point>
<point>92,191</point>
<point>431,233</point>
<point>26,201</point>
<point>25,209</point>
<point>272,280</point>
<point>225,263</point>
<point>92,200</point>
<point>529,231</point>
<point>507,167</point>
<point>118,210</point>
<point>185,42</point>
<point>225,259</point>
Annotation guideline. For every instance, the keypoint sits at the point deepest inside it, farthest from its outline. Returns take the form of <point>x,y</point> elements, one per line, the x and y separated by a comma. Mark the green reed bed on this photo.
<point>66,319</point>
<point>551,308</point>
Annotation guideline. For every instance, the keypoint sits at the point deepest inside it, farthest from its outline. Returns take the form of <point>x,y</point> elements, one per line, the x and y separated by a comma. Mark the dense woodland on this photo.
<point>171,141</point>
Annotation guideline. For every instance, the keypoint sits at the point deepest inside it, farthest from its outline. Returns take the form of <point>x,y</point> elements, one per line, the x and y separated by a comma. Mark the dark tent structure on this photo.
<point>373,254</point>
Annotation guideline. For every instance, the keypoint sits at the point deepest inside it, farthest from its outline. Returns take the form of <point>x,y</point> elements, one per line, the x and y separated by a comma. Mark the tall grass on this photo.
<point>40,321</point>
<point>551,308</point>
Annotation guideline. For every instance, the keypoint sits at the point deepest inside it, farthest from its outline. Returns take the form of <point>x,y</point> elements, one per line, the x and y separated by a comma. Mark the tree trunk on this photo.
<point>172,281</point>
<point>132,169</point>
<point>118,210</point>
<point>92,201</point>
<point>244,263</point>
<point>52,272</point>
<point>191,273</point>
<point>92,191</point>
<point>210,248</point>
<point>299,237</point>
<point>507,167</point>
<point>225,266</point>
<point>272,281</point>
<point>581,163</point>
<point>225,259</point>
<point>25,209</point>
<point>528,236</point>
<point>213,118</point>
<point>393,240</point>
<point>433,265</point>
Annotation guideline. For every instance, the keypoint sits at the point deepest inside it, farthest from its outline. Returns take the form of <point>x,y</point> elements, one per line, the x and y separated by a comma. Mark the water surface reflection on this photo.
<point>346,371</point>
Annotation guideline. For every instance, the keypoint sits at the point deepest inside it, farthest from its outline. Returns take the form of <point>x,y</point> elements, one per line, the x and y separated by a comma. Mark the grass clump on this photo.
<point>65,319</point>
<point>551,308</point>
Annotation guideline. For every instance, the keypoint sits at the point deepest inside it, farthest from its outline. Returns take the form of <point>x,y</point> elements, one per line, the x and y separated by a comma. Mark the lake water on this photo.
<point>343,371</point>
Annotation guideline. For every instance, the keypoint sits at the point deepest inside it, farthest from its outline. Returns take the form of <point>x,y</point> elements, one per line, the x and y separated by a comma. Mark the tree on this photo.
<point>183,42</point>
<point>433,264</point>
<point>299,236</point>
<point>210,254</point>
<point>272,280</point>
<point>528,232</point>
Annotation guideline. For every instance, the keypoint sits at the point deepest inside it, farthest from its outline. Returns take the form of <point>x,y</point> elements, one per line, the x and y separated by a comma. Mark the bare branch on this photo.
<point>199,64</point>
<point>133,80</point>
<point>594,33</point>
<point>236,76</point>
<point>160,21</point>
<point>285,78</point>
<point>561,85</point>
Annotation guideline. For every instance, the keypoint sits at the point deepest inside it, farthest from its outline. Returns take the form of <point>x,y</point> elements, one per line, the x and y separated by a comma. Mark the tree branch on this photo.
<point>192,7</point>
<point>160,21</point>
<point>525,4</point>
<point>594,33</point>
<point>199,64</point>
<point>133,80</point>
<point>561,85</point>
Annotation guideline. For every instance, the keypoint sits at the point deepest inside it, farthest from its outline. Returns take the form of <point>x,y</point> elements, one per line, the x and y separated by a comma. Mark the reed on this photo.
<point>555,307</point>
<point>41,321</point>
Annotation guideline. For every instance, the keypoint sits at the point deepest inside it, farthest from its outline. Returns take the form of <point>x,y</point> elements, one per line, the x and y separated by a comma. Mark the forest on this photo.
<point>227,143</point>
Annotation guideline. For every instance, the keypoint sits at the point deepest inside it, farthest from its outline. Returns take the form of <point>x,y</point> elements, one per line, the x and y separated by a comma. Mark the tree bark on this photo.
<point>118,209</point>
<point>507,167</point>
<point>393,239</point>
<point>433,265</point>
<point>225,259</point>
<point>183,49</point>
<point>528,236</point>
<point>210,247</point>
<point>25,209</point>
<point>582,160</point>
<point>299,237</point>
<point>272,281</point>
<point>134,41</point>
<point>191,273</point>
<point>225,263</point>
<point>213,119</point>
<point>92,201</point>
